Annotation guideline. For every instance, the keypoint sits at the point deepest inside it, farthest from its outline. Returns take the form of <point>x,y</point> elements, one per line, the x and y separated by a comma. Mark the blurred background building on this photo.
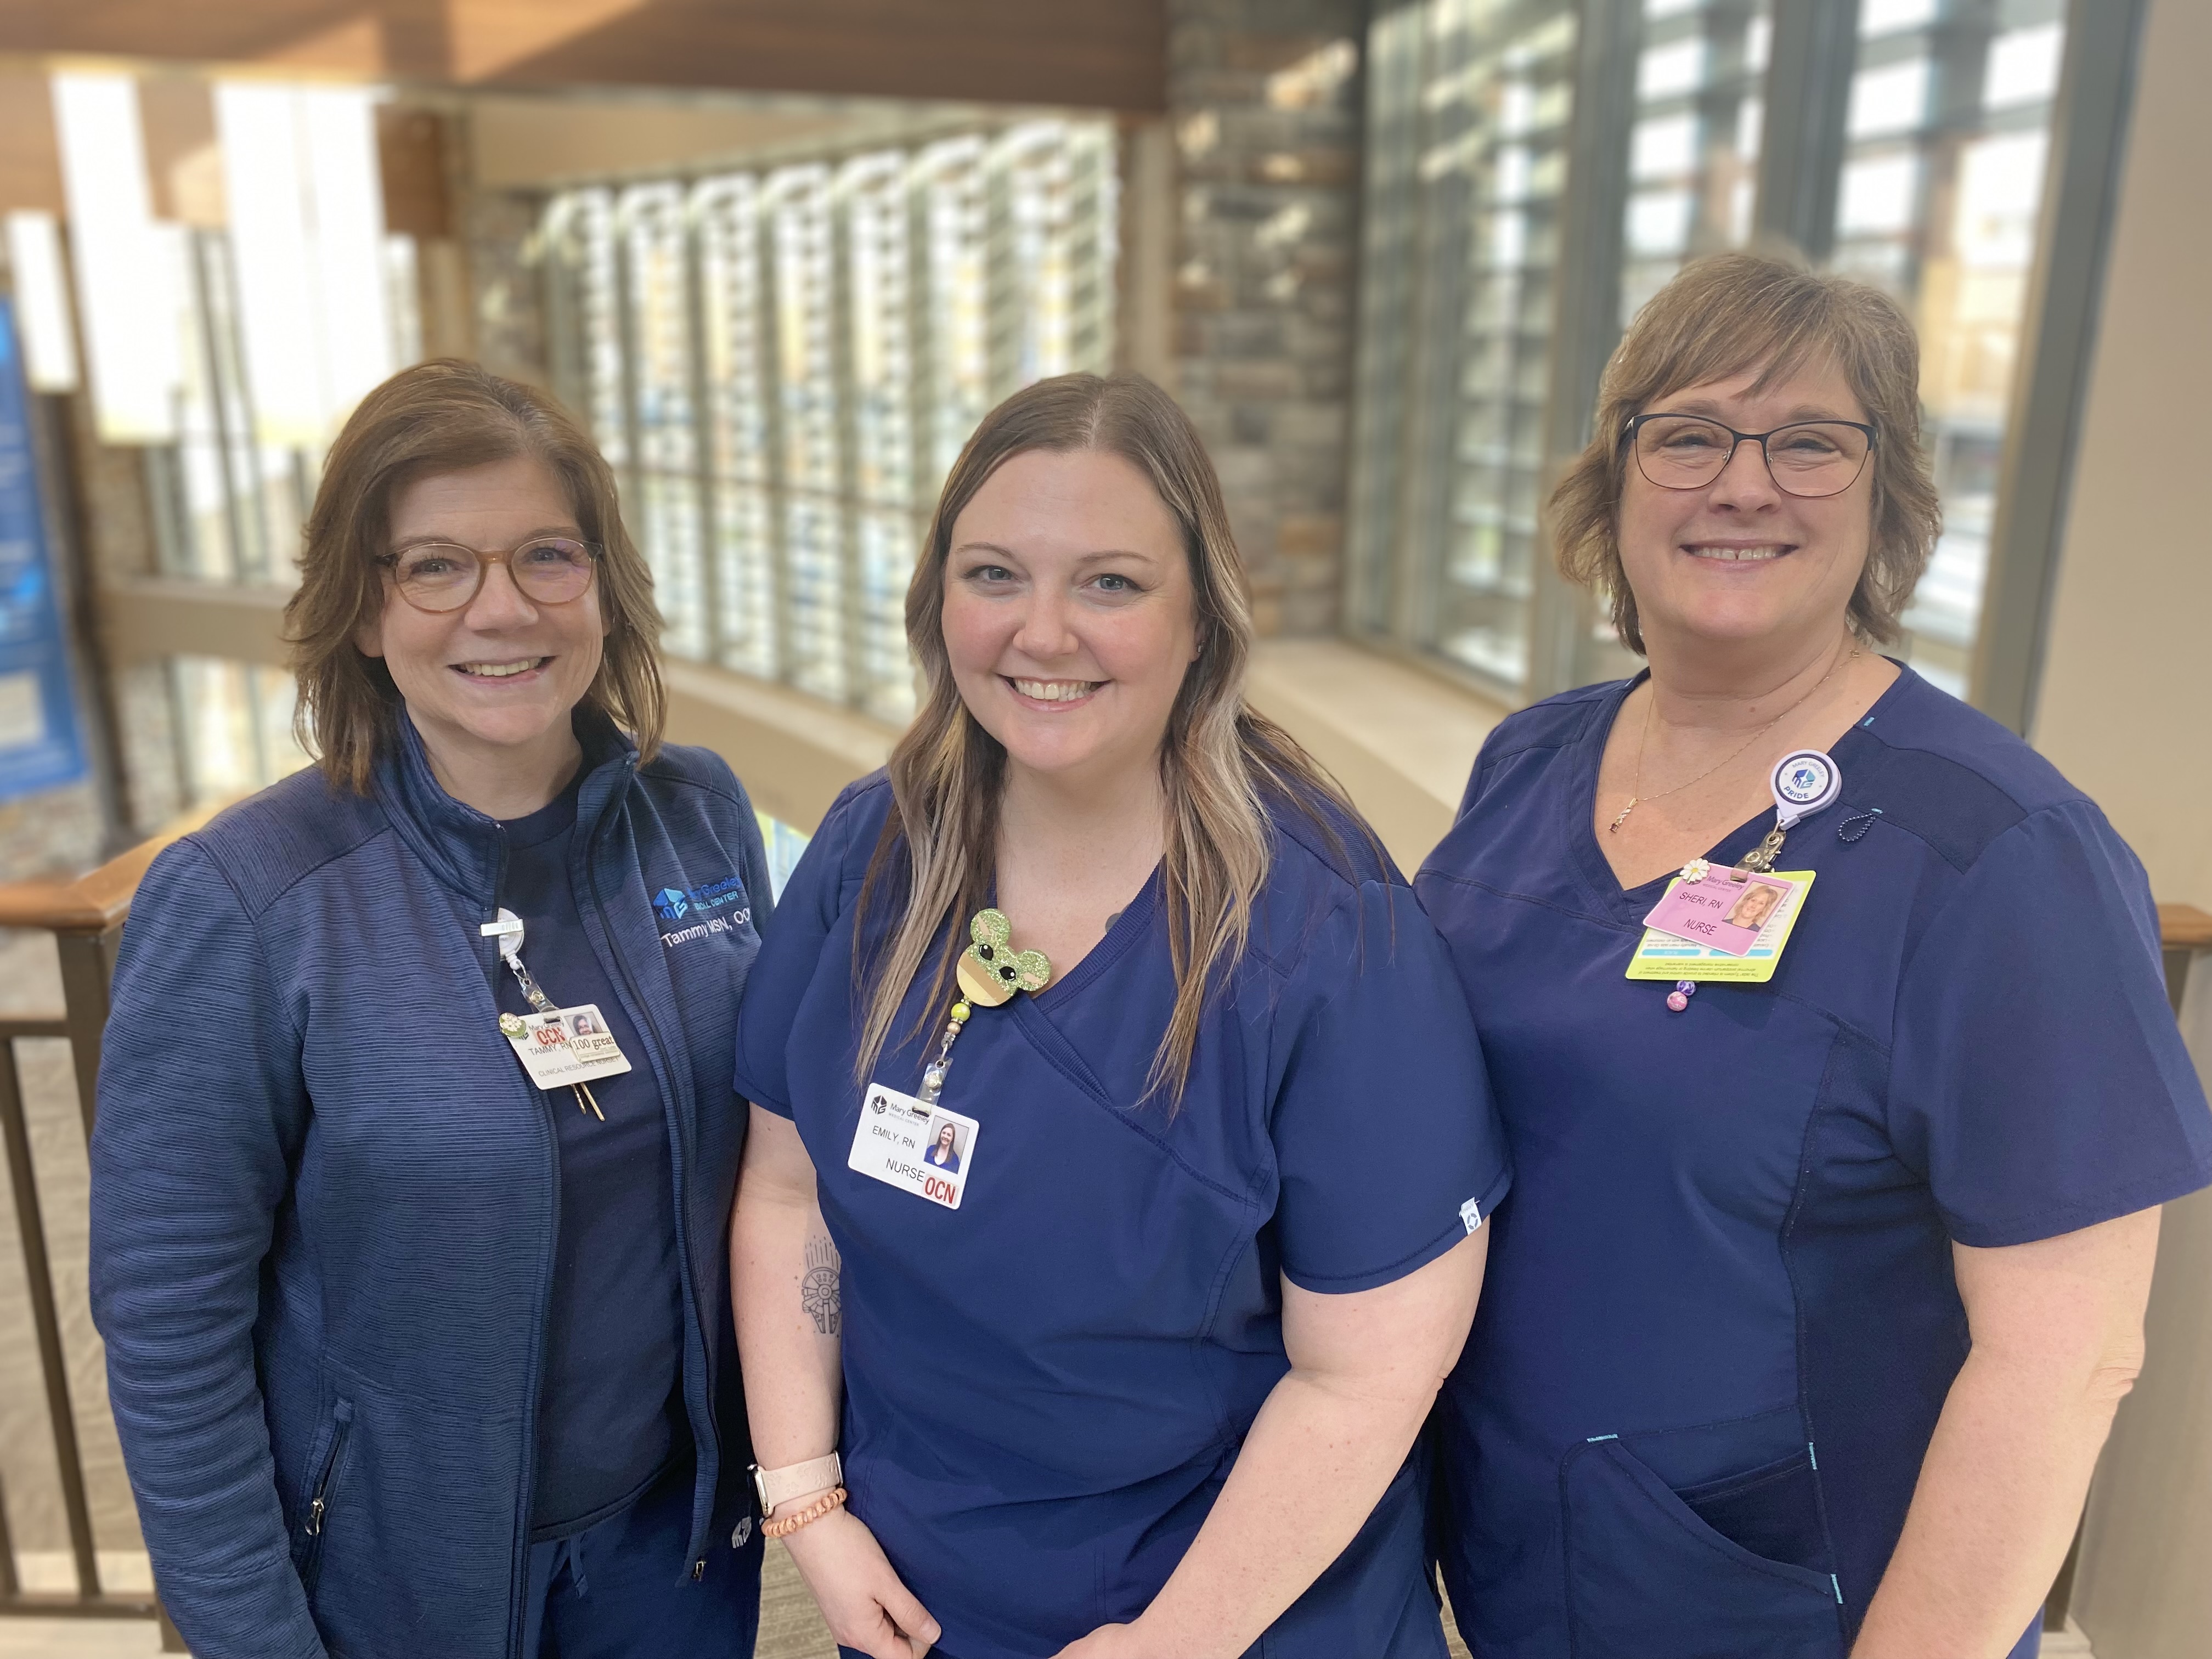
<point>781,257</point>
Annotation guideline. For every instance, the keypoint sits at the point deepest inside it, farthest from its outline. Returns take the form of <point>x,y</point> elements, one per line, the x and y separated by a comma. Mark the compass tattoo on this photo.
<point>819,1292</point>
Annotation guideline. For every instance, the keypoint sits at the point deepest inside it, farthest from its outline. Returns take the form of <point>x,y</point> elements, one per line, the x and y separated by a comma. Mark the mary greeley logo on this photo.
<point>708,909</point>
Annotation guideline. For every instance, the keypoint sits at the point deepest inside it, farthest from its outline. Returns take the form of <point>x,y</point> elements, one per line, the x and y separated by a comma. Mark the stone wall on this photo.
<point>1264,96</point>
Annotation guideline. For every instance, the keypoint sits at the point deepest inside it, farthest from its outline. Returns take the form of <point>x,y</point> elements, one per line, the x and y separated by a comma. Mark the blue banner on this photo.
<point>40,747</point>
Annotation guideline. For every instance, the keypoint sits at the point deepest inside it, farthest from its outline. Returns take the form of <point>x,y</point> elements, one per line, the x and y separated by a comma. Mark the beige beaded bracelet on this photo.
<point>832,1499</point>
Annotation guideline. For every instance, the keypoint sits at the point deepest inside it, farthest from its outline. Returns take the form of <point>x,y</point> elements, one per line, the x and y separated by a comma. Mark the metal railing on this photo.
<point>86,919</point>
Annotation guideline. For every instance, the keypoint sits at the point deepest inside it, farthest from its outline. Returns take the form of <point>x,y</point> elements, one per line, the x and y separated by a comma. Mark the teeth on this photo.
<point>499,671</point>
<point>1057,690</point>
<point>1736,554</point>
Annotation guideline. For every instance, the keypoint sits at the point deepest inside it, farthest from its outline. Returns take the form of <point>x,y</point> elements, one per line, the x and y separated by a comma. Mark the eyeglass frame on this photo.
<point>484,562</point>
<point>1635,425</point>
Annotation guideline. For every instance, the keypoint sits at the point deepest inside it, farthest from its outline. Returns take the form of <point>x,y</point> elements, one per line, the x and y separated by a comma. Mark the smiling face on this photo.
<point>1069,615</point>
<point>495,681</point>
<point>1739,563</point>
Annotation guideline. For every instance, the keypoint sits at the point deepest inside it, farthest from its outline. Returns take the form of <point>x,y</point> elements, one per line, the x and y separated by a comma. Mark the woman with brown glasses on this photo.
<point>416,1140</point>
<point>1837,1206</point>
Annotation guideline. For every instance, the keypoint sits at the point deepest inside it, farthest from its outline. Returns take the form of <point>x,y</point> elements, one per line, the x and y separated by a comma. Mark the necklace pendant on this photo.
<point>1623,818</point>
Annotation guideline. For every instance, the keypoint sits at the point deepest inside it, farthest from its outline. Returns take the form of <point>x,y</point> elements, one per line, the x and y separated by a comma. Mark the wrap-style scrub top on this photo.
<point>1046,1387</point>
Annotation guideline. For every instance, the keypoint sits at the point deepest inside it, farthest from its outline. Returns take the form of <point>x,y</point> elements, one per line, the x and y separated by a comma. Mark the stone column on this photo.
<point>1264,97</point>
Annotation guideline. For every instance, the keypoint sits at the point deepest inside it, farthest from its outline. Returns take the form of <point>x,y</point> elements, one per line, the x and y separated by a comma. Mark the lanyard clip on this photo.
<point>506,928</point>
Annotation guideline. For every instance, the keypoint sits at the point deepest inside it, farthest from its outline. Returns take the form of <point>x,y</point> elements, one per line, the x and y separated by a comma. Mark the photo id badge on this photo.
<point>570,1045</point>
<point>1719,928</point>
<point>924,1150</point>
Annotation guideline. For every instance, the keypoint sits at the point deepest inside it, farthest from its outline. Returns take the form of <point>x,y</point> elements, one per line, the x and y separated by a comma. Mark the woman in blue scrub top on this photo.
<point>1817,1296</point>
<point>1144,1379</point>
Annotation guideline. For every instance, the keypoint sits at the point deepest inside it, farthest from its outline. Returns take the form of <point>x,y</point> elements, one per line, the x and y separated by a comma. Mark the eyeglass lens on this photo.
<point>1814,457</point>
<point>440,576</point>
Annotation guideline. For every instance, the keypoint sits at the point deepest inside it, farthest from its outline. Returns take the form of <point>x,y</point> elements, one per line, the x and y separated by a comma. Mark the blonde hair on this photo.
<point>1220,762</point>
<point>447,416</point>
<point>1733,314</point>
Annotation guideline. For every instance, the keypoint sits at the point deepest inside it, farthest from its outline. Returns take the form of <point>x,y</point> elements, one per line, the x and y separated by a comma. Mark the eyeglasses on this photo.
<point>440,576</point>
<point>1807,458</point>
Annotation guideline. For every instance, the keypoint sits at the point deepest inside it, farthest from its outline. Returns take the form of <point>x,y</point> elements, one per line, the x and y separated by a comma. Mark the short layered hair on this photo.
<point>448,416</point>
<point>1750,313</point>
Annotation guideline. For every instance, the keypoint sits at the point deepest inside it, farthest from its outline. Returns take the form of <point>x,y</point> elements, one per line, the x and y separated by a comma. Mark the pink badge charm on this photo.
<point>1678,998</point>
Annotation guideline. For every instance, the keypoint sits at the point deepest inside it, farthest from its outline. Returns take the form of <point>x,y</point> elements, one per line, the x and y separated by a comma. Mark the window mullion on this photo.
<point>1585,310</point>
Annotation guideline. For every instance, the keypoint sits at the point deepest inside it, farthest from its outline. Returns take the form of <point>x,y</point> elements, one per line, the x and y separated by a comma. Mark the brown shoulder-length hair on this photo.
<point>1221,764</point>
<point>1741,313</point>
<point>447,416</point>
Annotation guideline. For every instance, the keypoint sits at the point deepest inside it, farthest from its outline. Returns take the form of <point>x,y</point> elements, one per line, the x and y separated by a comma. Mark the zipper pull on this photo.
<point>315,1518</point>
<point>698,1570</point>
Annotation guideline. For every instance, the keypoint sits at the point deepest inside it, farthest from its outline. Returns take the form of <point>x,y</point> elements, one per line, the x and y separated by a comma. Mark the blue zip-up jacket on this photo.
<point>324,1196</point>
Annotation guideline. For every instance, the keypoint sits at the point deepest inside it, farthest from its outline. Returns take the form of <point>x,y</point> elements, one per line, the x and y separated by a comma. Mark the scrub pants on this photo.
<point>619,1590</point>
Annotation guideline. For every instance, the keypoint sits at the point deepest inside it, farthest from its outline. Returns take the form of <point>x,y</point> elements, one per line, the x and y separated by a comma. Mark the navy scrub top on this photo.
<point>1045,1389</point>
<point>610,1415</point>
<point>1719,1318</point>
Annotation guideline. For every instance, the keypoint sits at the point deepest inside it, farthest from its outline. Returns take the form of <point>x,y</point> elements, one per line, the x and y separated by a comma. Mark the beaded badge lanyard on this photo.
<point>989,974</point>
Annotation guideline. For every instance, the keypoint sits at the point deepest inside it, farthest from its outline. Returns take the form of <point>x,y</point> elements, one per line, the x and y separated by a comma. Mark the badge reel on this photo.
<point>1718,922</point>
<point>560,1048</point>
<point>915,1142</point>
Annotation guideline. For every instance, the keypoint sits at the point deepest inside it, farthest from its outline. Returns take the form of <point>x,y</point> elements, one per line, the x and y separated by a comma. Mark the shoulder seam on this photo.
<point>200,845</point>
<point>252,918</point>
<point>2073,797</point>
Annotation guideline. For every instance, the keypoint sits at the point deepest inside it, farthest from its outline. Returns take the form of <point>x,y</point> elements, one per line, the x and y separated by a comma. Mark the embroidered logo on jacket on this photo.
<point>675,904</point>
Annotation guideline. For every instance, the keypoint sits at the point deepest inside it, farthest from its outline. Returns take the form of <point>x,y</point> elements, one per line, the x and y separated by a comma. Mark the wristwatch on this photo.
<point>773,1486</point>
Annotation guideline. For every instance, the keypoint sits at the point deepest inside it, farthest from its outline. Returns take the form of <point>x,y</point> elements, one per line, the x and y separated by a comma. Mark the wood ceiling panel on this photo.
<point>1106,56</point>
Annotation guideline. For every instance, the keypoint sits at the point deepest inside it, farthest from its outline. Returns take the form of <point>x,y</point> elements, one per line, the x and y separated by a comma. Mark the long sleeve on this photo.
<point>202,1112</point>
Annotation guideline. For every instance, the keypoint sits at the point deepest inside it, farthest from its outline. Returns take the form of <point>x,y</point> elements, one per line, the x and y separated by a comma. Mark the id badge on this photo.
<point>923,1150</point>
<point>1719,928</point>
<point>570,1045</point>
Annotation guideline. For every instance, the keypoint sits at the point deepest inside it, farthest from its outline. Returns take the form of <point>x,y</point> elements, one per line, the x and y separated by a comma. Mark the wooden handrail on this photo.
<point>2183,927</point>
<point>98,899</point>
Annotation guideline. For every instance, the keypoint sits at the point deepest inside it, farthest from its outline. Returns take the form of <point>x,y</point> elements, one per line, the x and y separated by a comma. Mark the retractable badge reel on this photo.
<point>560,1048</point>
<point>1732,923</point>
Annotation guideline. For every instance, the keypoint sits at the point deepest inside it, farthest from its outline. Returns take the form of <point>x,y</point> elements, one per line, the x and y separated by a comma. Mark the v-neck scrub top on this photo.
<point>1719,1318</point>
<point>1045,1389</point>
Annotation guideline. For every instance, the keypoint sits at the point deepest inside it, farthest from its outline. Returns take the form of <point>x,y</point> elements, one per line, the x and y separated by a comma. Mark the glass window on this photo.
<point>664,511</point>
<point>1946,111</point>
<point>1470,112</point>
<point>848,324</point>
<point>227,507</point>
<point>233,727</point>
<point>1693,151</point>
<point>1950,119</point>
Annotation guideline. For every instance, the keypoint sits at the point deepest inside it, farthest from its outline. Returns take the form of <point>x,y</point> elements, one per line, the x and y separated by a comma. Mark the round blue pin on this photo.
<point>1804,781</point>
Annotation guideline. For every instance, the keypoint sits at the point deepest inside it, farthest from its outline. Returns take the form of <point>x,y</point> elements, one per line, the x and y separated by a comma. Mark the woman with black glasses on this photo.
<point>416,1140</point>
<point>1827,1024</point>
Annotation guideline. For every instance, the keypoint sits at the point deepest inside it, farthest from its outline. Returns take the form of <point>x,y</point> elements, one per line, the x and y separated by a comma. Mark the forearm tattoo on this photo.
<point>819,1293</point>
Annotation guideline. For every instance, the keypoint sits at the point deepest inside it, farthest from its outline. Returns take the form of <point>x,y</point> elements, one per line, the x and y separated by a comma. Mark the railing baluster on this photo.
<point>87,963</point>
<point>10,1586</point>
<point>39,1275</point>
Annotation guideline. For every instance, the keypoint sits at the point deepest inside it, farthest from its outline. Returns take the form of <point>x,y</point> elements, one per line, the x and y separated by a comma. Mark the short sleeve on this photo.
<point>790,957</point>
<point>1388,1147</point>
<point>2037,1078</point>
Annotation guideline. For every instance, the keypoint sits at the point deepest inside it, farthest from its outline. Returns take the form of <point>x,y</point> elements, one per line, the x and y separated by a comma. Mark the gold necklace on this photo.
<point>1643,737</point>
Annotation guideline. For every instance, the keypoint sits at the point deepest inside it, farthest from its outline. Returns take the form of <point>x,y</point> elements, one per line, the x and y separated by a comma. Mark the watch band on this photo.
<point>773,1486</point>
